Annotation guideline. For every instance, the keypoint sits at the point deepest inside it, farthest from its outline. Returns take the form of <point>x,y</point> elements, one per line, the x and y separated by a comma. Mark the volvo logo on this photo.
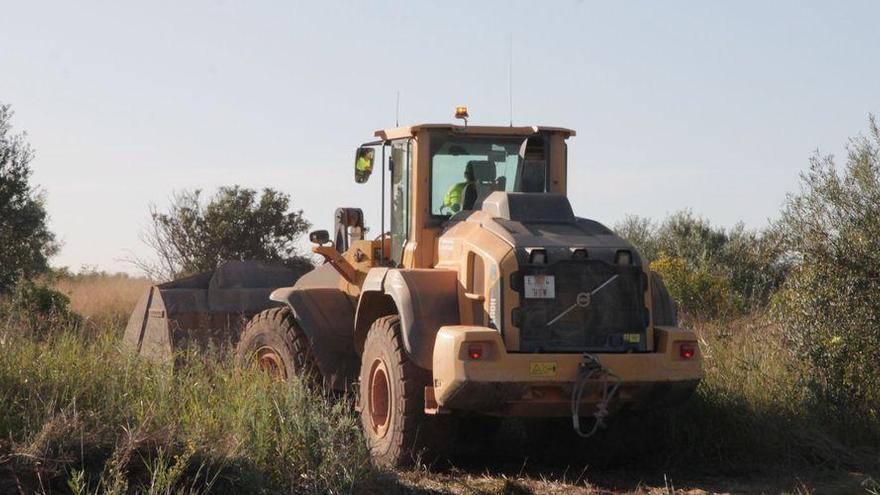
<point>583,299</point>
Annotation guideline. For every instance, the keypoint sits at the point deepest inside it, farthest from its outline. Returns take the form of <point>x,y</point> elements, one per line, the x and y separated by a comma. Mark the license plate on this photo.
<point>540,286</point>
<point>542,368</point>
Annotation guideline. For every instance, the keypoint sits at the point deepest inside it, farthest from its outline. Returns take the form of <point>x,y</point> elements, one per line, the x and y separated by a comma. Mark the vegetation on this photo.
<point>753,413</point>
<point>25,241</point>
<point>87,417</point>
<point>805,382</point>
<point>234,224</point>
<point>104,299</point>
<point>699,291</point>
<point>38,310</point>
<point>830,303</point>
<point>712,271</point>
<point>80,414</point>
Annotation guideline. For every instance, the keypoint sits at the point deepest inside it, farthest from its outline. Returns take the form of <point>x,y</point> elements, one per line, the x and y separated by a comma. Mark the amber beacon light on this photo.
<point>461,112</point>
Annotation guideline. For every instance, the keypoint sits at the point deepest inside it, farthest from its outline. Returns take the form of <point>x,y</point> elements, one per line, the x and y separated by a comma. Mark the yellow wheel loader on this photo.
<point>486,297</point>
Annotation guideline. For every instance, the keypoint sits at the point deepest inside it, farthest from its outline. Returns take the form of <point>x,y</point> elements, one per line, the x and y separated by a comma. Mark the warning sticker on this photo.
<point>542,368</point>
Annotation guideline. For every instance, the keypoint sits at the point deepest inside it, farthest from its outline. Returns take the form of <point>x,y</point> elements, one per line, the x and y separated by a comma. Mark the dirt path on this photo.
<point>576,483</point>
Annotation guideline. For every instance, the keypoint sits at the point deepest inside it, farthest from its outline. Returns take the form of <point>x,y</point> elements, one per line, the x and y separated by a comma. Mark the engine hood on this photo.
<point>546,221</point>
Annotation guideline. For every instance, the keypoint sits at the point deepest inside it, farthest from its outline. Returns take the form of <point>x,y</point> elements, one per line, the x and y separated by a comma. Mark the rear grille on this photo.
<point>614,320</point>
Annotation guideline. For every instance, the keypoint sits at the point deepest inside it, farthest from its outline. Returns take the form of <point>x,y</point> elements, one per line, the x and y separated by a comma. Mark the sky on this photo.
<point>708,105</point>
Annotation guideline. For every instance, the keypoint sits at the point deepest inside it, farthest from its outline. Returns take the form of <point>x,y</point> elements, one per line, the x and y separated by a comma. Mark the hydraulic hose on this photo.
<point>589,369</point>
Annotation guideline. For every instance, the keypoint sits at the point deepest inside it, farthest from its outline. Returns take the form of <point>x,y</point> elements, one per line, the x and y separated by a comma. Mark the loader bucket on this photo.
<point>202,310</point>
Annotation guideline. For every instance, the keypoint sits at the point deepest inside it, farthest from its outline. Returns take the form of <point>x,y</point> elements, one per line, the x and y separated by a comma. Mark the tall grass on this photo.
<point>86,413</point>
<point>755,411</point>
<point>80,414</point>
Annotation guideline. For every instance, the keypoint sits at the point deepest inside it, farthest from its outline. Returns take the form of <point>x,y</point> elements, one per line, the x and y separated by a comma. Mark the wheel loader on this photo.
<point>486,297</point>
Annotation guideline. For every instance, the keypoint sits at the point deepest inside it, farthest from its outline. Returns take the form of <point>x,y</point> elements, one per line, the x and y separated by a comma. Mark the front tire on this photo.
<point>274,342</point>
<point>392,397</point>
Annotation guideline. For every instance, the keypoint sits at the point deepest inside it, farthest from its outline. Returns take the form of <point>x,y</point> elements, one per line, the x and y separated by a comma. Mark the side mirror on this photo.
<point>319,237</point>
<point>363,164</point>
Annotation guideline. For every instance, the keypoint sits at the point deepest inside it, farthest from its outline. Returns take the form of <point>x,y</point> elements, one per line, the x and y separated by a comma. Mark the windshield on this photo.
<point>464,170</point>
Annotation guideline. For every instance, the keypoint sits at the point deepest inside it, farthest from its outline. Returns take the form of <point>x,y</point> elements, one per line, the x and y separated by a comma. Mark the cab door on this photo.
<point>400,165</point>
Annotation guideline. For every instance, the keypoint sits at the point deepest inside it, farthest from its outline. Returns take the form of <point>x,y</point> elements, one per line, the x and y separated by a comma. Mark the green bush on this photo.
<point>698,292</point>
<point>830,304</point>
<point>36,310</point>
<point>745,262</point>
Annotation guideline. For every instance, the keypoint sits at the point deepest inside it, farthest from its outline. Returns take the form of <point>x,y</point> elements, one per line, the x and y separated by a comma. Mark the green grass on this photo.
<point>85,414</point>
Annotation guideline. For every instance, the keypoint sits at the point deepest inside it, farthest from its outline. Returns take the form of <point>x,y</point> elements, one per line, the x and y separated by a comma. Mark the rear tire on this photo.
<point>392,398</point>
<point>274,342</point>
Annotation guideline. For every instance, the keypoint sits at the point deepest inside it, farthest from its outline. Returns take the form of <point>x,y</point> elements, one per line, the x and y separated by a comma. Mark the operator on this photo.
<point>462,195</point>
<point>364,164</point>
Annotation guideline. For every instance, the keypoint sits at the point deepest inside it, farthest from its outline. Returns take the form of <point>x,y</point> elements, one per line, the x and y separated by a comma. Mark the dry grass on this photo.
<point>642,482</point>
<point>104,299</point>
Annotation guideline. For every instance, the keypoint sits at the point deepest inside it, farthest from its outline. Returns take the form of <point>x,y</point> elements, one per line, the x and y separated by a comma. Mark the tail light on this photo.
<point>475,351</point>
<point>687,351</point>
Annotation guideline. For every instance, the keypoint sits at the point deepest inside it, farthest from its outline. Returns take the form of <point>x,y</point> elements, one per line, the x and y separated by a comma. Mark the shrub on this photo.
<point>642,233</point>
<point>830,304</point>
<point>698,292</point>
<point>36,310</point>
<point>746,262</point>
<point>754,264</point>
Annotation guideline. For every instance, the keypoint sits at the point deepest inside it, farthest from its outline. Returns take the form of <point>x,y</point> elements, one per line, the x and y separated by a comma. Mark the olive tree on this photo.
<point>830,303</point>
<point>25,240</point>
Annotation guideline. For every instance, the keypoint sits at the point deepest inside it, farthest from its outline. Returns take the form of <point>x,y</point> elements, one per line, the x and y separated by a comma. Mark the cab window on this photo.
<point>464,170</point>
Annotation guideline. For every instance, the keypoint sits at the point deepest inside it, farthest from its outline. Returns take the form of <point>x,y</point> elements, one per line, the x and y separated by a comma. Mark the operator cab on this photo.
<point>440,173</point>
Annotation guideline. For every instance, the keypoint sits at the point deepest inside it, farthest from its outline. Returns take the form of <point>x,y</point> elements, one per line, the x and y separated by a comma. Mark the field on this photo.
<point>82,416</point>
<point>106,299</point>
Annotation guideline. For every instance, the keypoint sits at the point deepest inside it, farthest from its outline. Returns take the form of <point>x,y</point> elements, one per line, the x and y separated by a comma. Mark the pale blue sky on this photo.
<point>714,106</point>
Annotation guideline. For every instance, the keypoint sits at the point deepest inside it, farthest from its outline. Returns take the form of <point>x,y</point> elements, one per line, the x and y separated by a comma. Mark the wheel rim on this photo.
<point>270,362</point>
<point>380,398</point>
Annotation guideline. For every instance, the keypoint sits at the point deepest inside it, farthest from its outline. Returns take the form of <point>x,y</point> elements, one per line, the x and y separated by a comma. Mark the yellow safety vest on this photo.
<point>454,196</point>
<point>363,164</point>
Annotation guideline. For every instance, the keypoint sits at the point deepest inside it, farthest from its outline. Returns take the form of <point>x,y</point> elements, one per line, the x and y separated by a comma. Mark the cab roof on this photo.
<point>409,131</point>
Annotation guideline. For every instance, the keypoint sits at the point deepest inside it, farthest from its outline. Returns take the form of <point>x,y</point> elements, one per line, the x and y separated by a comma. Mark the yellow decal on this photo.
<point>542,368</point>
<point>633,338</point>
